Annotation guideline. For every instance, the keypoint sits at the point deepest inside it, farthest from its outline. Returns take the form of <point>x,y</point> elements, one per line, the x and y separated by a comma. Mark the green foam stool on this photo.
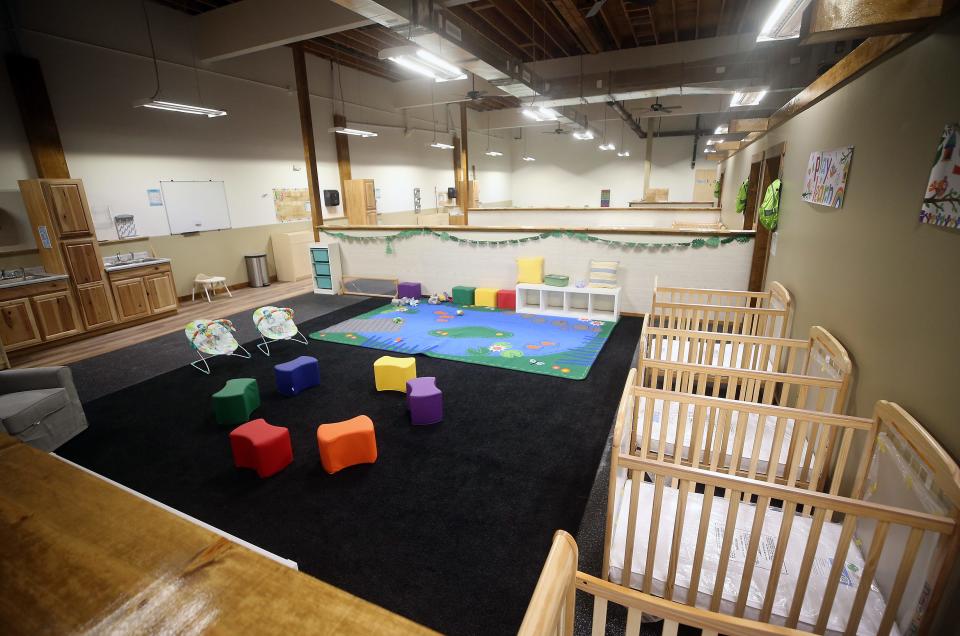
<point>234,403</point>
<point>463,295</point>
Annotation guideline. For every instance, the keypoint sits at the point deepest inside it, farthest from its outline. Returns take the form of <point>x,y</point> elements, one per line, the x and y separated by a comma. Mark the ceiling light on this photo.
<point>710,142</point>
<point>179,108</point>
<point>493,153</point>
<point>747,98</point>
<point>722,129</point>
<point>625,153</point>
<point>541,114</point>
<point>607,146</point>
<point>583,135</point>
<point>441,145</point>
<point>340,130</point>
<point>527,158</point>
<point>783,23</point>
<point>423,63</point>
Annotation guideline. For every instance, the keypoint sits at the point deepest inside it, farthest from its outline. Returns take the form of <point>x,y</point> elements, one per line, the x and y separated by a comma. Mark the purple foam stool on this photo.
<point>297,374</point>
<point>424,400</point>
<point>408,290</point>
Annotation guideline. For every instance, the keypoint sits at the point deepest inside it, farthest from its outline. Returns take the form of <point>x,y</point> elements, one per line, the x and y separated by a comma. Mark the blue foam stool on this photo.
<point>297,375</point>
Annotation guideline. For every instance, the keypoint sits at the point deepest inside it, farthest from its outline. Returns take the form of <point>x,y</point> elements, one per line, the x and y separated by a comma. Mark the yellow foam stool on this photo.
<point>485,297</point>
<point>391,374</point>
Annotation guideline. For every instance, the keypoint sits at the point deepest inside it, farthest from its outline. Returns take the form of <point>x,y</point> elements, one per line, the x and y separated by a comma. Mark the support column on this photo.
<point>306,131</point>
<point>463,188</point>
<point>647,161</point>
<point>36,113</point>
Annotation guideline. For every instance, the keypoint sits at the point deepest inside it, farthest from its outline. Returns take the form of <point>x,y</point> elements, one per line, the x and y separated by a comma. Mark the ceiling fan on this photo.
<point>473,94</point>
<point>657,107</point>
<point>595,9</point>
<point>559,130</point>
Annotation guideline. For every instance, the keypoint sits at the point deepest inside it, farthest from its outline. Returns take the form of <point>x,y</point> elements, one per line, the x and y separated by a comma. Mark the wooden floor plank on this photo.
<point>243,299</point>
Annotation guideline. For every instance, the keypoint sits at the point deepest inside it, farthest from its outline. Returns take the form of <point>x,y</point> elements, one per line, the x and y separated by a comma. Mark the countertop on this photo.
<point>19,282</point>
<point>122,266</point>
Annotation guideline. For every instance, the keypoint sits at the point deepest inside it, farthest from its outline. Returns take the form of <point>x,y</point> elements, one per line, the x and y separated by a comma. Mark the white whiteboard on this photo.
<point>195,206</point>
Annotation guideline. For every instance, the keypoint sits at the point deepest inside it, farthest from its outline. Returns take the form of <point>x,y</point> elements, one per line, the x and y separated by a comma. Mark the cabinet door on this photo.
<point>68,206</point>
<point>83,262</point>
<point>18,327</point>
<point>370,194</point>
<point>96,305</point>
<point>161,292</point>
<point>131,297</point>
<point>56,315</point>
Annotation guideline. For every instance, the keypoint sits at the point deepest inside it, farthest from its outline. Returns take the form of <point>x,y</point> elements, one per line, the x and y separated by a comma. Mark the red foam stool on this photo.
<point>262,447</point>
<point>507,299</point>
<point>347,443</point>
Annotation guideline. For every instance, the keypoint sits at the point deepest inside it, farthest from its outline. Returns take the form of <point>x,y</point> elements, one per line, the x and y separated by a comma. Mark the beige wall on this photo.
<point>869,272</point>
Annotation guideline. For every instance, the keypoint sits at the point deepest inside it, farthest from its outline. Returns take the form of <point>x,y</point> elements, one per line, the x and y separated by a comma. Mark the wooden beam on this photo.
<point>548,22</point>
<point>728,145</point>
<point>571,15</point>
<point>838,20</point>
<point>758,124</point>
<point>36,113</point>
<point>306,132</point>
<point>614,16</point>
<point>489,27</point>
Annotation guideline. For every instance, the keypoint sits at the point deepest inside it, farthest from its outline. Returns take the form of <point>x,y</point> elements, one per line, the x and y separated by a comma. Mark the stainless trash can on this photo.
<point>257,275</point>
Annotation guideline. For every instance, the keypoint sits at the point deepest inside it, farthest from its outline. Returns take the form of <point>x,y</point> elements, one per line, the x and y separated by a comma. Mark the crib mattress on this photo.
<point>846,591</point>
<point>767,430</point>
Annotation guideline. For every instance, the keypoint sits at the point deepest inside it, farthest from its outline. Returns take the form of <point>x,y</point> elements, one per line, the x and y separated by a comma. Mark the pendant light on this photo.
<point>604,144</point>
<point>526,156</point>
<point>489,152</point>
<point>433,110</point>
<point>624,152</point>
<point>343,130</point>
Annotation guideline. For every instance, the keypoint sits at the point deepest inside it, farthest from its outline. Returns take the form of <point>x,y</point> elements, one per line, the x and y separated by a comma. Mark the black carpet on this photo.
<point>450,527</point>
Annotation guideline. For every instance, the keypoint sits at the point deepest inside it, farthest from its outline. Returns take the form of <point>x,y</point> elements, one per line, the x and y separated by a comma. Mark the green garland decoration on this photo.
<point>389,239</point>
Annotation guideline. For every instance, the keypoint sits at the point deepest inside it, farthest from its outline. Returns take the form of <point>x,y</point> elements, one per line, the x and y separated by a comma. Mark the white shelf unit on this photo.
<point>545,295</point>
<point>325,261</point>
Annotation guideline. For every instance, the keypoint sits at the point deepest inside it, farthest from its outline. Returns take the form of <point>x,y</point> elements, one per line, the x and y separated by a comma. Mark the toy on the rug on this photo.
<point>403,302</point>
<point>398,320</point>
<point>436,299</point>
<point>459,312</point>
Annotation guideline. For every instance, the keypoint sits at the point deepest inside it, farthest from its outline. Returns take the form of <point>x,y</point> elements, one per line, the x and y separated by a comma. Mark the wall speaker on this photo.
<point>451,193</point>
<point>331,198</point>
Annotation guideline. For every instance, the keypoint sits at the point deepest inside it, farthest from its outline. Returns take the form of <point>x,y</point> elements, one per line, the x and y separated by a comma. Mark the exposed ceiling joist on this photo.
<point>837,20</point>
<point>568,11</point>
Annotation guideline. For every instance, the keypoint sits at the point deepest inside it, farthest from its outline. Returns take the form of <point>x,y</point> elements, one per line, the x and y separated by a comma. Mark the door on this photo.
<point>161,293</point>
<point>69,207</point>
<point>56,315</point>
<point>703,182</point>
<point>96,305</point>
<point>18,327</point>
<point>83,262</point>
<point>131,297</point>
<point>753,185</point>
<point>770,170</point>
<point>370,195</point>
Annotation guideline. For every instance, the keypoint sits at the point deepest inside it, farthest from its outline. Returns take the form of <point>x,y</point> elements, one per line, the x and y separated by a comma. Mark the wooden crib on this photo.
<point>725,311</point>
<point>551,608</point>
<point>868,558</point>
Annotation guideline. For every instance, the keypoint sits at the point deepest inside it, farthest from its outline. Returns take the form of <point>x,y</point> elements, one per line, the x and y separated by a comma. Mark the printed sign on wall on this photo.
<point>605,198</point>
<point>826,179</point>
<point>291,204</point>
<point>941,203</point>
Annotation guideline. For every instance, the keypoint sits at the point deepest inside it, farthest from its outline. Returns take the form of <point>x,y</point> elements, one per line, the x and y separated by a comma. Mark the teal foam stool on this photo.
<point>234,403</point>
<point>463,295</point>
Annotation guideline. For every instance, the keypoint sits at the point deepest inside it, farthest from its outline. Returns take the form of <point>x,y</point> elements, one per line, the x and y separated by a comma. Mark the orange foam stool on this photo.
<point>347,443</point>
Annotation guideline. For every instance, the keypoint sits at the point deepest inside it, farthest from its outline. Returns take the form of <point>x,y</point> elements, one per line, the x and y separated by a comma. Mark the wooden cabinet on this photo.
<point>360,201</point>
<point>144,291</point>
<point>84,264</point>
<point>96,305</point>
<point>56,315</point>
<point>68,206</point>
<point>18,326</point>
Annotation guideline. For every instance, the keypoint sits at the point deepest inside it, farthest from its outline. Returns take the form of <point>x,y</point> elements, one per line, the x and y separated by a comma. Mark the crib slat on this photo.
<point>737,455</point>
<point>728,530</point>
<point>758,434</point>
<point>677,536</point>
<point>866,577</point>
<point>670,628</point>
<point>751,558</point>
<point>634,620</point>
<point>696,436</point>
<point>702,531</point>
<point>636,478</point>
<point>776,566</point>
<point>841,460</point>
<point>773,461</point>
<point>680,429</point>
<point>900,583</point>
<point>819,461</point>
<point>599,626</point>
<point>654,532</point>
<point>648,406</point>
<point>833,580</point>
<point>803,576</point>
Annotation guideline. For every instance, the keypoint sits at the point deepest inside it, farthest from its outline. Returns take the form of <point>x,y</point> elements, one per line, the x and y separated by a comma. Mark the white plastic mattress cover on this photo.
<point>783,598</point>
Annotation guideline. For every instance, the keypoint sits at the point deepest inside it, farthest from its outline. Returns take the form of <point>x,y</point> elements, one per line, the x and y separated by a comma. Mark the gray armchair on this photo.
<point>40,406</point>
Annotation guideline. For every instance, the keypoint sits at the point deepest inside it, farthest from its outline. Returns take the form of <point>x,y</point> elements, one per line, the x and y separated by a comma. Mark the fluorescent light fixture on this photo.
<point>340,130</point>
<point>783,23</point>
<point>527,158</point>
<point>493,153</point>
<point>583,135</point>
<point>423,63</point>
<point>747,98</point>
<point>710,142</point>
<point>179,108</point>
<point>709,149</point>
<point>722,129</point>
<point>607,146</point>
<point>541,114</point>
<point>441,145</point>
<point>625,153</point>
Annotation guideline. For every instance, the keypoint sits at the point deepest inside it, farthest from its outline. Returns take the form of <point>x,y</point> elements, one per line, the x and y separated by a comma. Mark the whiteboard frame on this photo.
<point>226,203</point>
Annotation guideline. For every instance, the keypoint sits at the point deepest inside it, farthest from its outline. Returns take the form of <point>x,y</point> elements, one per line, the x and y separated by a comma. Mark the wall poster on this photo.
<point>605,198</point>
<point>941,202</point>
<point>826,179</point>
<point>291,204</point>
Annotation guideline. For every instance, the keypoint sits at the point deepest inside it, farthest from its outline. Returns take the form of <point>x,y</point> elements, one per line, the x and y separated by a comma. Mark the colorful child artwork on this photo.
<point>605,198</point>
<point>941,203</point>
<point>561,347</point>
<point>826,179</point>
<point>291,204</point>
